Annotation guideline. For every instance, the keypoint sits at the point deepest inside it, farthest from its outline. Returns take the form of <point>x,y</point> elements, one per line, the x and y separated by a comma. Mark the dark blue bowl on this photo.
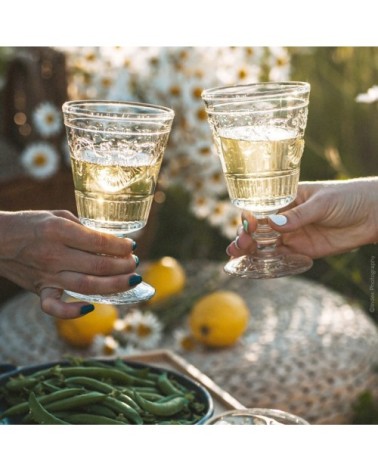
<point>201,393</point>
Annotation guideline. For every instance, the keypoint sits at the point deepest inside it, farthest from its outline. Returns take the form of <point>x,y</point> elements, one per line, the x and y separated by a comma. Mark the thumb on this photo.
<point>297,217</point>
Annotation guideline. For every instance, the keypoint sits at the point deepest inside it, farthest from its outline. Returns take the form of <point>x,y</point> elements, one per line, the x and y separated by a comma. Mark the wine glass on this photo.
<point>116,150</point>
<point>258,131</point>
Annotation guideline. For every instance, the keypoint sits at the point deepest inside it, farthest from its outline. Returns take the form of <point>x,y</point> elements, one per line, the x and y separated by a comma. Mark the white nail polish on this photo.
<point>236,243</point>
<point>279,220</point>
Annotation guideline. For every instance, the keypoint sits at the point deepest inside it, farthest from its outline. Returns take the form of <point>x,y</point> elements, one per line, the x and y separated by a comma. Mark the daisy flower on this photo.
<point>109,346</point>
<point>231,222</point>
<point>219,213</point>
<point>279,62</point>
<point>201,205</point>
<point>40,160</point>
<point>142,329</point>
<point>47,119</point>
<point>183,340</point>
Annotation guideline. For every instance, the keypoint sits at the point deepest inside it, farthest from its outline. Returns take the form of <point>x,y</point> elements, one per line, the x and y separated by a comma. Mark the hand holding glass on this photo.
<point>116,151</point>
<point>258,130</point>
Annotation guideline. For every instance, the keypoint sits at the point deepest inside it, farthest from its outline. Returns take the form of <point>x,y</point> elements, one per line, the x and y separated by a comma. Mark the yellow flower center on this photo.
<point>175,90</point>
<point>106,82</point>
<point>50,118</point>
<point>201,114</point>
<point>197,92</point>
<point>188,343</point>
<point>281,61</point>
<point>39,160</point>
<point>143,330</point>
<point>242,74</point>
<point>204,150</point>
<point>217,177</point>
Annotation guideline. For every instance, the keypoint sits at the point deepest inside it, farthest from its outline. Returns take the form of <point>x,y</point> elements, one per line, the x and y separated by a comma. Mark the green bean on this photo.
<point>89,418</point>
<point>22,408</point>
<point>20,382</point>
<point>154,397</point>
<point>143,372</point>
<point>100,409</point>
<point>166,386</point>
<point>106,373</point>
<point>168,408</point>
<point>77,401</point>
<point>40,414</point>
<point>123,408</point>
<point>99,386</point>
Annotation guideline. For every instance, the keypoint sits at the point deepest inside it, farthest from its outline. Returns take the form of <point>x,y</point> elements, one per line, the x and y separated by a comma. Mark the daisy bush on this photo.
<point>175,77</point>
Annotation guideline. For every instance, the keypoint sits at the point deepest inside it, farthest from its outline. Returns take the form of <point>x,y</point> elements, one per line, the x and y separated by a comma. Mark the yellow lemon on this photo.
<point>81,331</point>
<point>219,319</point>
<point>167,276</point>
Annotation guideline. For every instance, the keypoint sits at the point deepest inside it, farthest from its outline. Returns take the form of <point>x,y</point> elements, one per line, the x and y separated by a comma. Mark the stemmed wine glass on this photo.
<point>258,131</point>
<point>116,150</point>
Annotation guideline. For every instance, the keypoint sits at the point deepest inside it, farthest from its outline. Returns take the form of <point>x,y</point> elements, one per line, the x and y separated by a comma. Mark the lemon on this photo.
<point>80,332</point>
<point>167,276</point>
<point>219,319</point>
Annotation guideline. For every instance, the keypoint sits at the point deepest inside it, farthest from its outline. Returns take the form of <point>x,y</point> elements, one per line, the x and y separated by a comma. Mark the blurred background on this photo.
<point>191,216</point>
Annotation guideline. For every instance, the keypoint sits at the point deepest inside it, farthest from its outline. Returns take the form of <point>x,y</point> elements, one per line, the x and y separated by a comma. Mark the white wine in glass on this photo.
<point>116,151</point>
<point>258,131</point>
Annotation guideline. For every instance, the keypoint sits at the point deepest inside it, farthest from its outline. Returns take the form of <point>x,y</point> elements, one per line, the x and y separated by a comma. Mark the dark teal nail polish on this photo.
<point>245,225</point>
<point>134,245</point>
<point>135,280</point>
<point>136,260</point>
<point>86,309</point>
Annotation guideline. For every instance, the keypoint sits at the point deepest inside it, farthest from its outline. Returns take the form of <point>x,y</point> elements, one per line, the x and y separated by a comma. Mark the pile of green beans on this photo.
<point>96,392</point>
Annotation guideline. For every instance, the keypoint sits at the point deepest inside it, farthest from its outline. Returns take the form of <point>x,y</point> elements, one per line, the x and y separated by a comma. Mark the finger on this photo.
<point>66,214</point>
<point>52,304</point>
<point>95,264</point>
<point>80,237</point>
<point>249,222</point>
<point>297,217</point>
<point>242,244</point>
<point>89,284</point>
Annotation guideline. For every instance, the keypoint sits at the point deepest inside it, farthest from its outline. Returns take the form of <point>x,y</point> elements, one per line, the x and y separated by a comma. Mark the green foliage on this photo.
<point>181,235</point>
<point>365,409</point>
<point>341,142</point>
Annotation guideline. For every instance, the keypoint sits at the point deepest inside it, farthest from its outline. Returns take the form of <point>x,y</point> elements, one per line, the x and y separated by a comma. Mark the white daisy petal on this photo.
<point>40,160</point>
<point>47,119</point>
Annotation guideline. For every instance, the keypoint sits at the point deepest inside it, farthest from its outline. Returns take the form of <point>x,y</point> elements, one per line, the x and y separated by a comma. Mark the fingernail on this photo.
<point>279,220</point>
<point>135,280</point>
<point>239,230</point>
<point>136,258</point>
<point>134,245</point>
<point>245,225</point>
<point>86,309</point>
<point>228,250</point>
<point>236,243</point>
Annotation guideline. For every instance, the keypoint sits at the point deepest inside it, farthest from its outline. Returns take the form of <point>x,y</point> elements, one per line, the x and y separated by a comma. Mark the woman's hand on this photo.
<point>49,251</point>
<point>326,218</point>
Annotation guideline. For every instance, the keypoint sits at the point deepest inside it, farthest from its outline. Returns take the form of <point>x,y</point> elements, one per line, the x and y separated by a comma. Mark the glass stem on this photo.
<point>266,239</point>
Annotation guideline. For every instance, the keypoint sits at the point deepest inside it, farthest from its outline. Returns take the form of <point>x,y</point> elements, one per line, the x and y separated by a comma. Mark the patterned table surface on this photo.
<point>307,350</point>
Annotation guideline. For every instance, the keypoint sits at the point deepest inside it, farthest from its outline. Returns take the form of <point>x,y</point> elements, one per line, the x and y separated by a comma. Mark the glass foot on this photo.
<point>253,267</point>
<point>140,293</point>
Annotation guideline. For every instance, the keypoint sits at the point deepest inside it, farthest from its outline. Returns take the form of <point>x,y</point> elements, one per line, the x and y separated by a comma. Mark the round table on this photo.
<point>307,349</point>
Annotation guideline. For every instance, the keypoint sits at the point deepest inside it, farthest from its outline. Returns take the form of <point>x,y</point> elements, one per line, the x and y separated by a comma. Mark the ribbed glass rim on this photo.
<point>255,90</point>
<point>117,110</point>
